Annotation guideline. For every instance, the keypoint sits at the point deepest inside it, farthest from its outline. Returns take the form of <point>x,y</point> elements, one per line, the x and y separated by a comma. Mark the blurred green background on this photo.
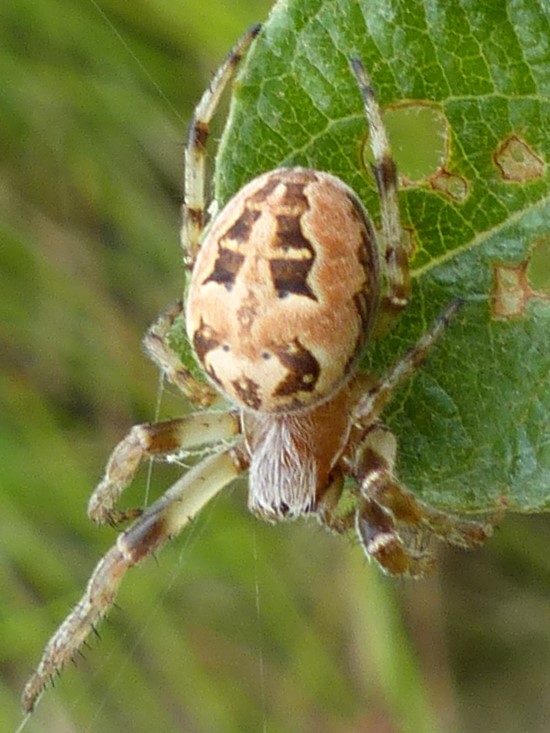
<point>239,626</point>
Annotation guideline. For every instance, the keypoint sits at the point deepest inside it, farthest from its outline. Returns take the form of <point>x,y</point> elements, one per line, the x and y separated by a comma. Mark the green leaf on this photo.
<point>474,424</point>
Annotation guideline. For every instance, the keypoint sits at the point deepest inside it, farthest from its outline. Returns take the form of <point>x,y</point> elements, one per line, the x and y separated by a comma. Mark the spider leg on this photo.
<point>376,528</point>
<point>380,539</point>
<point>153,440</point>
<point>157,345</point>
<point>195,152</point>
<point>395,253</point>
<point>327,507</point>
<point>160,522</point>
<point>386,506</point>
<point>373,402</point>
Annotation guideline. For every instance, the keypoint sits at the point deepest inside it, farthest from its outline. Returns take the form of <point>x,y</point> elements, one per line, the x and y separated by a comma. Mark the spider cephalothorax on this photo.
<point>286,287</point>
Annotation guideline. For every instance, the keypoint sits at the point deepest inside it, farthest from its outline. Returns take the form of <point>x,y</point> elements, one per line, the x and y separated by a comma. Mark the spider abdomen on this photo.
<point>284,290</point>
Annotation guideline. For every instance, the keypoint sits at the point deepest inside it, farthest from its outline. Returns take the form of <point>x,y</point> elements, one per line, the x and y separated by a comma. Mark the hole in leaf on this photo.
<point>538,268</point>
<point>515,284</point>
<point>418,135</point>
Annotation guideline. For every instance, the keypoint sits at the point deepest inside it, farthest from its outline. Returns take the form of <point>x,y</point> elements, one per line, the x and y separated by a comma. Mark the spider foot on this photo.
<point>101,509</point>
<point>156,441</point>
<point>116,517</point>
<point>455,530</point>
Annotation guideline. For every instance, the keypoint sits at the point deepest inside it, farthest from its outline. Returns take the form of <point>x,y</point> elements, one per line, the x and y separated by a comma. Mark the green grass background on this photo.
<point>238,626</point>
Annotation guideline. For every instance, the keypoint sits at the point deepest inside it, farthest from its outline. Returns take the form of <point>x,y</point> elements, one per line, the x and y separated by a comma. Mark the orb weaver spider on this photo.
<point>285,291</point>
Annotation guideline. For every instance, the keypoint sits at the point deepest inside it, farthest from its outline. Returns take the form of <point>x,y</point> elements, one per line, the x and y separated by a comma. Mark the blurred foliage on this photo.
<point>239,626</point>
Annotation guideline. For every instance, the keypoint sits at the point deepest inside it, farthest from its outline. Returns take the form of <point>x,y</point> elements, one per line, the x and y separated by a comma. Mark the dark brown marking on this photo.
<point>367,252</point>
<point>294,199</point>
<point>196,215</point>
<point>214,377</point>
<point>289,235</point>
<point>247,390</point>
<point>226,268</point>
<point>303,370</point>
<point>291,198</point>
<point>380,539</point>
<point>290,276</point>
<point>145,536</point>
<point>240,231</point>
<point>365,300</point>
<point>385,173</point>
<point>358,212</point>
<point>363,305</point>
<point>198,134</point>
<point>368,255</point>
<point>204,340</point>
<point>262,193</point>
<point>377,520</point>
<point>254,30</point>
<point>372,463</point>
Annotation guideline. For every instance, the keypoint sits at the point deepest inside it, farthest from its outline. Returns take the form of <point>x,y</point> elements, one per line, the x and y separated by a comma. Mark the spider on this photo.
<point>285,289</point>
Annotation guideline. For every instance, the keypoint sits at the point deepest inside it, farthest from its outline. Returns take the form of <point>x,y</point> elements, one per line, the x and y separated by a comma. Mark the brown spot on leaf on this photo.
<point>514,285</point>
<point>517,161</point>
<point>509,291</point>
<point>450,185</point>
